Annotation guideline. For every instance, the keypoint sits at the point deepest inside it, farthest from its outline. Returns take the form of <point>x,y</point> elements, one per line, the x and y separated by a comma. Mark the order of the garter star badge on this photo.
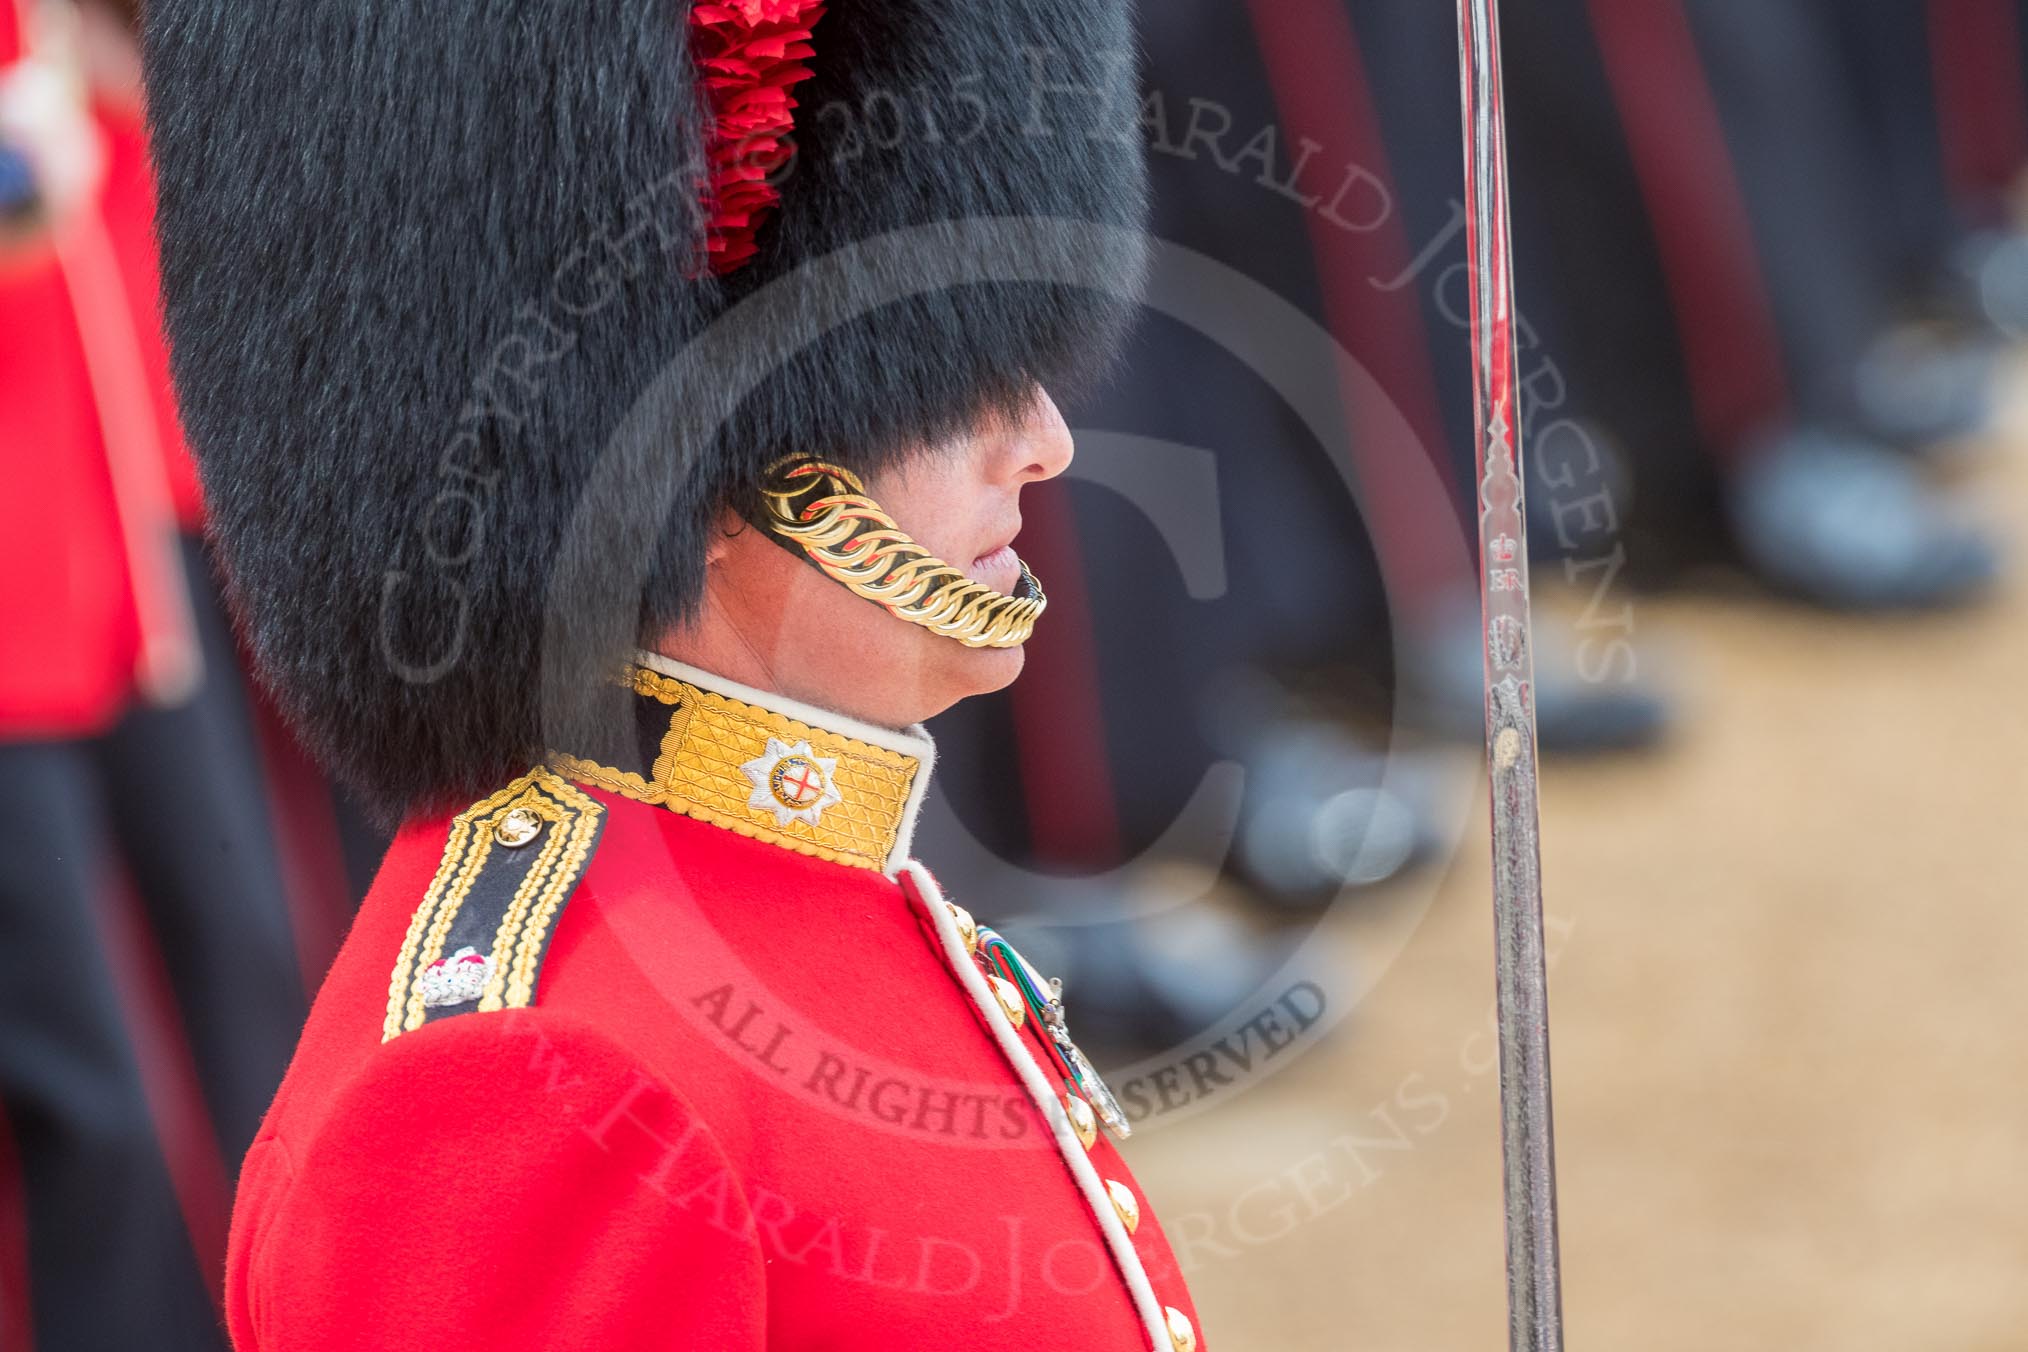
<point>793,782</point>
<point>456,979</point>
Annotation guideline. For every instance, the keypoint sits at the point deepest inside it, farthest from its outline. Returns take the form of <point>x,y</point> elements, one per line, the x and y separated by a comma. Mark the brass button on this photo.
<point>1125,1204</point>
<point>968,929</point>
<point>1083,1120</point>
<point>1010,1000</point>
<point>1182,1336</point>
<point>517,828</point>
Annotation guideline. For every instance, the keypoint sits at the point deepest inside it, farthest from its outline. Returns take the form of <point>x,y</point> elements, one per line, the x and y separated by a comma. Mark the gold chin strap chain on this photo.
<point>823,508</point>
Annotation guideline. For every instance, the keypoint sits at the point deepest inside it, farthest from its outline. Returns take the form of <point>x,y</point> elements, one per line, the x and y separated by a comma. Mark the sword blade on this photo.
<point>1534,1295</point>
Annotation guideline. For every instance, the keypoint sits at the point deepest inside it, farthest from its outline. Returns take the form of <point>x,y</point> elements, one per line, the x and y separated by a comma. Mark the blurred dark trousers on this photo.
<point>164,819</point>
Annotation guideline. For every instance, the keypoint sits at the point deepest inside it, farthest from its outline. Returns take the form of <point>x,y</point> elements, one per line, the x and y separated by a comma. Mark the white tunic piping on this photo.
<point>1046,1101</point>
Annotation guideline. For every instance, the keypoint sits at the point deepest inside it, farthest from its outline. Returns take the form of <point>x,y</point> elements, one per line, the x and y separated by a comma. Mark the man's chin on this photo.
<point>981,671</point>
<point>1005,663</point>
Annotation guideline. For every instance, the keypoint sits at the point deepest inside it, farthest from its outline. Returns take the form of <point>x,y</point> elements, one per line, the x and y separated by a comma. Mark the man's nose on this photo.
<point>1043,446</point>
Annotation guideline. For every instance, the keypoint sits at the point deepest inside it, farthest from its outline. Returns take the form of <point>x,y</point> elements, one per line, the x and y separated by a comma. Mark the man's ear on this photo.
<point>724,528</point>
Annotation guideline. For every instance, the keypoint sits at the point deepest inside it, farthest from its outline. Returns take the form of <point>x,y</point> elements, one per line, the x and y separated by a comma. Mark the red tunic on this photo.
<point>749,1088</point>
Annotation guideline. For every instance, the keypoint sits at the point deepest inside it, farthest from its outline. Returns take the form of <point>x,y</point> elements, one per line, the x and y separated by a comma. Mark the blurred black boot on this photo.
<point>1851,525</point>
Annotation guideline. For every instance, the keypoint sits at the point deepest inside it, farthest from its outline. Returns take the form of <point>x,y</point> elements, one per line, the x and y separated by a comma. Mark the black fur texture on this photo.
<point>422,258</point>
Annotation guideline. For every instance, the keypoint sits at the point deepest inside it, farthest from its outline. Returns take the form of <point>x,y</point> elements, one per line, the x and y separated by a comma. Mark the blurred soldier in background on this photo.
<point>1705,219</point>
<point>157,824</point>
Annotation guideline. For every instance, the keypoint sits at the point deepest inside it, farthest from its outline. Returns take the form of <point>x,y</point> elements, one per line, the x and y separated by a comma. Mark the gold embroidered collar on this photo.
<point>768,767</point>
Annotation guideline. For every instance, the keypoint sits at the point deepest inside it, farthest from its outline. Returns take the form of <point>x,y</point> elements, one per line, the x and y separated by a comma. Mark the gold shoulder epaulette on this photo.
<point>477,939</point>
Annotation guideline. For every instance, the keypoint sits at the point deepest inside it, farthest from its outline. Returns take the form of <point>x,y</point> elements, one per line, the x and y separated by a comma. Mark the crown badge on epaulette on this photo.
<point>457,979</point>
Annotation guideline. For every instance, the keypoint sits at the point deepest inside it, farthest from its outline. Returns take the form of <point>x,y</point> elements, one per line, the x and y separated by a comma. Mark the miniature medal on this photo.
<point>1045,999</point>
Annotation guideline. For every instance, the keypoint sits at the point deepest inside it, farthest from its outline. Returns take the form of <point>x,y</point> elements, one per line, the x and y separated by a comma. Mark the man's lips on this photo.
<point>997,565</point>
<point>999,569</point>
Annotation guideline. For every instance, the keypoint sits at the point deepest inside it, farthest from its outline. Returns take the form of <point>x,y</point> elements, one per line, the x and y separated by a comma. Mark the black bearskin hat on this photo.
<point>425,261</point>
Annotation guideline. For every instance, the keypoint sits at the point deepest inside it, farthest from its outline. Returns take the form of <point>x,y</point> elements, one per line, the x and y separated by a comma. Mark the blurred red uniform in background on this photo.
<point>155,826</point>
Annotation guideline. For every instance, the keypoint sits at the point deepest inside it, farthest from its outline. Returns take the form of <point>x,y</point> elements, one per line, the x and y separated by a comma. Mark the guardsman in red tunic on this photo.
<point>615,414</point>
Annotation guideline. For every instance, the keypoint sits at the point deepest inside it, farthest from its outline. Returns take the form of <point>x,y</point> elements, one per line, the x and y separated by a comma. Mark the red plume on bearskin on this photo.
<point>752,54</point>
